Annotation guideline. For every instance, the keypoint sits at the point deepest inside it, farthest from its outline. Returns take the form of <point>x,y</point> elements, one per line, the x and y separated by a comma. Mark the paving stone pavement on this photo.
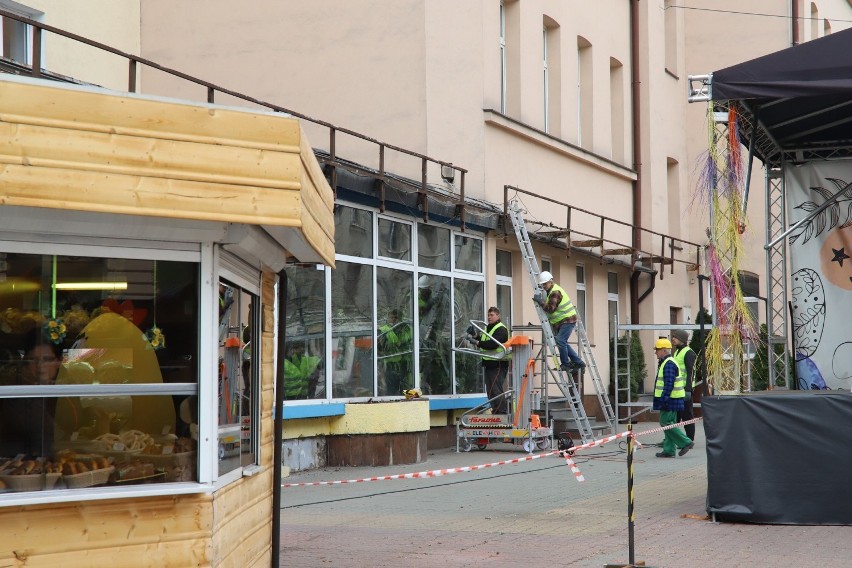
<point>535,512</point>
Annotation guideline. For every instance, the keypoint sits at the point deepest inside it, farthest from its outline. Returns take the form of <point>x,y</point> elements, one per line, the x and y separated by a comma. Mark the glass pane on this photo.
<point>546,265</point>
<point>580,304</point>
<point>612,282</point>
<point>353,232</point>
<point>613,313</point>
<point>435,340</point>
<point>394,239</point>
<point>434,247</point>
<point>395,308</point>
<point>111,320</point>
<point>504,304</point>
<point>236,387</point>
<point>118,443</point>
<point>581,274</point>
<point>352,330</point>
<point>468,253</point>
<point>304,366</point>
<point>504,263</point>
<point>469,305</point>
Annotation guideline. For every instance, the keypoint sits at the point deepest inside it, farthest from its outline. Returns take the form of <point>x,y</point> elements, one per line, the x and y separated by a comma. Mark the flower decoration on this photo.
<point>156,337</point>
<point>55,330</point>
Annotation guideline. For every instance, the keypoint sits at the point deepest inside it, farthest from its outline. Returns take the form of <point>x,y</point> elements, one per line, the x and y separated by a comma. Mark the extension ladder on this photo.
<point>564,380</point>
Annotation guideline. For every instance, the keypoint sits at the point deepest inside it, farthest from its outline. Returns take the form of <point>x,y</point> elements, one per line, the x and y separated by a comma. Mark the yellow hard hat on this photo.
<point>663,343</point>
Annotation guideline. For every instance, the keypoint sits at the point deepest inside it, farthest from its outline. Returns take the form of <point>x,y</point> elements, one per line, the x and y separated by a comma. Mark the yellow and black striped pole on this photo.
<point>631,557</point>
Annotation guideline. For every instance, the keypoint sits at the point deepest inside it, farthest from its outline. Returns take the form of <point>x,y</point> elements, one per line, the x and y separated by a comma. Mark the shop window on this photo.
<point>503,278</point>
<point>468,253</point>
<point>433,245</point>
<point>435,317</point>
<point>98,369</point>
<point>304,371</point>
<point>395,333</point>
<point>470,305</point>
<point>353,232</point>
<point>394,239</point>
<point>352,330</point>
<point>238,377</point>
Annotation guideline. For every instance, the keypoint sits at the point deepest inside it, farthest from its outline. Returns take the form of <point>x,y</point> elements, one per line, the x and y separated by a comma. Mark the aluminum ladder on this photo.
<point>564,380</point>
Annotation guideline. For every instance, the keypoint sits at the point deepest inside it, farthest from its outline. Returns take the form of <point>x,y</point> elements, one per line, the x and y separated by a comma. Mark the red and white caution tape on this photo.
<point>423,474</point>
<point>567,454</point>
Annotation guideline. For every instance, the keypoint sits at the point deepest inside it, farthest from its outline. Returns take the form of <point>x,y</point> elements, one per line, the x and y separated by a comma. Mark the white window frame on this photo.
<point>581,286</point>
<point>503,88</point>
<point>201,254</point>
<point>546,84</point>
<point>27,12</point>
<point>505,281</point>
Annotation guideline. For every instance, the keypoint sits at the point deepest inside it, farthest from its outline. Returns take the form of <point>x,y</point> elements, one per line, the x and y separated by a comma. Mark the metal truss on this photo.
<point>776,277</point>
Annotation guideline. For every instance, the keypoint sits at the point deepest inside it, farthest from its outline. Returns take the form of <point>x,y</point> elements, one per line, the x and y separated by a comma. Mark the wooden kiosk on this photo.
<point>121,212</point>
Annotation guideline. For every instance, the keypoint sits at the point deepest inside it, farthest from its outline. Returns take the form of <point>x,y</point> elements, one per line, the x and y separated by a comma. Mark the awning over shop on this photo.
<point>800,97</point>
<point>81,149</point>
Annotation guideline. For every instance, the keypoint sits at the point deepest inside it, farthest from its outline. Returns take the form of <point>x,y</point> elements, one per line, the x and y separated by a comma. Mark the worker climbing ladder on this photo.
<point>566,381</point>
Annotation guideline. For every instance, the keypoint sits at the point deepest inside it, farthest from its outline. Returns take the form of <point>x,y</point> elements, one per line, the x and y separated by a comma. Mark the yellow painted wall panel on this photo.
<point>381,418</point>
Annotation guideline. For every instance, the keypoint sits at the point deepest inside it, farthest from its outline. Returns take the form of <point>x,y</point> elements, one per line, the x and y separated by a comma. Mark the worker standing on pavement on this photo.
<point>668,399</point>
<point>562,317</point>
<point>685,358</point>
<point>495,360</point>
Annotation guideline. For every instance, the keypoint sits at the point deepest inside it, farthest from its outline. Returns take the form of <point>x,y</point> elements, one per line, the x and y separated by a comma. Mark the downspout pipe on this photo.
<point>278,421</point>
<point>637,154</point>
<point>795,21</point>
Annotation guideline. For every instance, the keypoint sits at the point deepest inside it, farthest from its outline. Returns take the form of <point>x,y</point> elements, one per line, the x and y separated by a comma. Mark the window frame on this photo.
<point>201,254</point>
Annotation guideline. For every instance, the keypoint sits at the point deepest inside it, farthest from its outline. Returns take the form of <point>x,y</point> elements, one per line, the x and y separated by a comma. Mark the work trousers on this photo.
<point>495,385</point>
<point>686,414</point>
<point>566,352</point>
<point>674,438</point>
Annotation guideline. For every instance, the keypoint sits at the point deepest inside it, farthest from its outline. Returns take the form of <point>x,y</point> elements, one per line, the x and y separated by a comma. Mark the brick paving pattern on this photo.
<point>534,512</point>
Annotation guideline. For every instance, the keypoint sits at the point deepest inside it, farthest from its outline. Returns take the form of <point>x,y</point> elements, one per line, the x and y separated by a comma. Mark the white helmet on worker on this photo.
<point>423,281</point>
<point>545,277</point>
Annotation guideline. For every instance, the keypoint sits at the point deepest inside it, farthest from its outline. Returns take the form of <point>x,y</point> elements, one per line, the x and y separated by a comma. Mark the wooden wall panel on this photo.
<point>173,531</point>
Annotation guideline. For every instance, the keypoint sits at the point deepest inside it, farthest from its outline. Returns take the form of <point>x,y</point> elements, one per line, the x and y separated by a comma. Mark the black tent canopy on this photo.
<point>800,98</point>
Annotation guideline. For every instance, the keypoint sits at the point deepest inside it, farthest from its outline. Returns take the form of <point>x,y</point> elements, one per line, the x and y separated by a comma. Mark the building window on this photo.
<point>618,118</point>
<point>826,27</point>
<point>239,378</point>
<point>105,350</point>
<point>503,57</point>
<point>814,21</point>
<point>433,247</point>
<point>394,239</point>
<point>469,304</point>
<point>16,38</point>
<point>503,277</point>
<point>395,334</point>
<point>468,253</point>
<point>552,67</point>
<point>673,195</point>
<point>546,264</point>
<point>352,330</point>
<point>304,372</point>
<point>585,93</point>
<point>353,232</point>
<point>671,33</point>
<point>612,300</point>
<point>580,300</point>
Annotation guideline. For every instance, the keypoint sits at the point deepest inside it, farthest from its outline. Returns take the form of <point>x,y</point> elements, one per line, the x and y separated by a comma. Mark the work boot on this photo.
<point>685,449</point>
<point>664,455</point>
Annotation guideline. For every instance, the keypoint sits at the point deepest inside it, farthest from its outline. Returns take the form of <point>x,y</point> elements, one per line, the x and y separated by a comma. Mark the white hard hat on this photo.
<point>423,281</point>
<point>545,277</point>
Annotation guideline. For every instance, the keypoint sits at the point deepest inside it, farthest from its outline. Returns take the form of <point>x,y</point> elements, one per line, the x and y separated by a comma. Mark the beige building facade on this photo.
<point>575,104</point>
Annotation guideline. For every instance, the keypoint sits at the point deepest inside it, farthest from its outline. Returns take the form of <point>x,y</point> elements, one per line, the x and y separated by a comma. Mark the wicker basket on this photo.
<point>32,482</point>
<point>88,478</point>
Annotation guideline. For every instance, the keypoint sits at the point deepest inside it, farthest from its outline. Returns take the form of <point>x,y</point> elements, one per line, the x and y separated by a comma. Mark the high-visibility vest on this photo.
<point>680,359</point>
<point>565,309</point>
<point>394,340</point>
<point>679,383</point>
<point>492,354</point>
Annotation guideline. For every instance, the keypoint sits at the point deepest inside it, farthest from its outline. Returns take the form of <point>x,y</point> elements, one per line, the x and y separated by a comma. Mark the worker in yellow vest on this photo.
<point>685,358</point>
<point>668,399</point>
<point>495,361</point>
<point>562,317</point>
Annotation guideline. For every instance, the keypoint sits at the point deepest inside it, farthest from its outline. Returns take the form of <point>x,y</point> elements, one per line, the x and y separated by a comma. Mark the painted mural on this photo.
<point>821,273</point>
